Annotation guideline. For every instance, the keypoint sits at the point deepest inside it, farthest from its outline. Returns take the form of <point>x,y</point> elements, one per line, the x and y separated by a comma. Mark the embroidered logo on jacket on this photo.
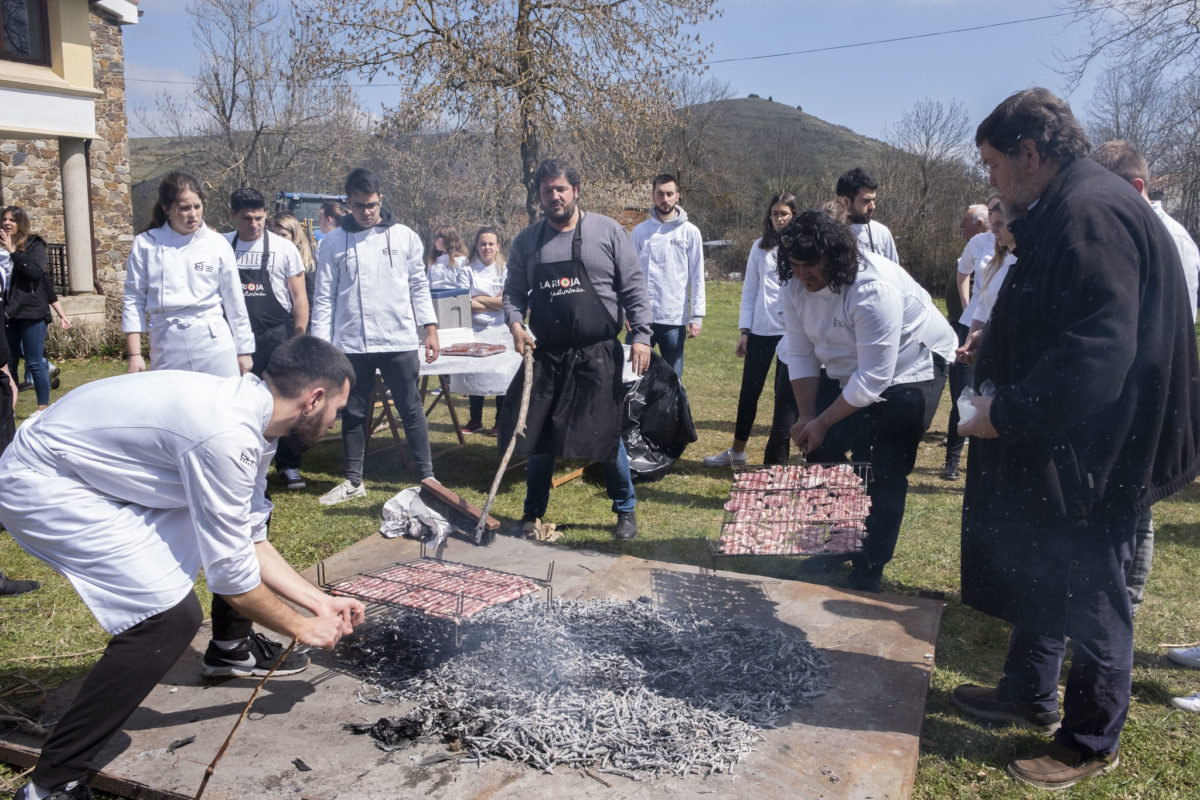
<point>247,458</point>
<point>200,266</point>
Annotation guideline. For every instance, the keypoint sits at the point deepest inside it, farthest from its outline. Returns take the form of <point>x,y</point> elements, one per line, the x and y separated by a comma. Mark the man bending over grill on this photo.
<point>129,486</point>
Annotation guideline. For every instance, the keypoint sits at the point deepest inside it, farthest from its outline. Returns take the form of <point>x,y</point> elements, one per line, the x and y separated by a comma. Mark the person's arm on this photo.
<point>263,606</point>
<point>63,322</point>
<point>633,296</point>
<point>515,297</point>
<point>324,291</point>
<point>964,288</point>
<point>133,307</point>
<point>481,302</point>
<point>876,312</point>
<point>422,300</point>
<point>751,288</point>
<point>299,295</point>
<point>696,280</point>
<point>283,580</point>
<point>12,385</point>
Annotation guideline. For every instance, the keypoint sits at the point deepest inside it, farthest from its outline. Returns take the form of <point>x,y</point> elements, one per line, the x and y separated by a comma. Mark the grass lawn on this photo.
<point>41,633</point>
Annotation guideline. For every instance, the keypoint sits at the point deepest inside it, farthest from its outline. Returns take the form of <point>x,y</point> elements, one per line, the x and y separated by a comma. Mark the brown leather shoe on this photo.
<point>1060,766</point>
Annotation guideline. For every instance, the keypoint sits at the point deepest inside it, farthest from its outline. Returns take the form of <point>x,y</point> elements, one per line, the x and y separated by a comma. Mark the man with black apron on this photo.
<point>272,276</point>
<point>574,273</point>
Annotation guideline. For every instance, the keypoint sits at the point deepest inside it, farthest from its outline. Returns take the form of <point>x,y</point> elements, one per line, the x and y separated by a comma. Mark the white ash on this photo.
<point>619,687</point>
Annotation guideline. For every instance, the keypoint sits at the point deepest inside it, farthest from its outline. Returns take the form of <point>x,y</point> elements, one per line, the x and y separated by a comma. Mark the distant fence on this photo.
<point>56,257</point>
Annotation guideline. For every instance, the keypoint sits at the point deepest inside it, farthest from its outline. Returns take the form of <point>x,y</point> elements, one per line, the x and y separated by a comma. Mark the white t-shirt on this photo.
<point>986,291</point>
<point>487,281</point>
<point>1189,256</point>
<point>283,262</point>
<point>974,259</point>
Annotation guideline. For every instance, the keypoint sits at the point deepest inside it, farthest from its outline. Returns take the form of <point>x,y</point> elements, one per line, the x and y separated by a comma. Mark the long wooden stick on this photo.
<point>512,443</point>
<point>211,768</point>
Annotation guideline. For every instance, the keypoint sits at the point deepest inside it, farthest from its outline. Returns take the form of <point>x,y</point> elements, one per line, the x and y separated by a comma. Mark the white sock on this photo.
<point>35,792</point>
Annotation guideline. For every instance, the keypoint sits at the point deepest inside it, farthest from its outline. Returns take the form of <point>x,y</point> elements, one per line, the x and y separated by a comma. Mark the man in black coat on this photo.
<point>1095,415</point>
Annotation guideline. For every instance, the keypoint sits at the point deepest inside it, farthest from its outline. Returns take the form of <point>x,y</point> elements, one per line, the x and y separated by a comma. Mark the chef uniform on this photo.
<point>129,486</point>
<point>188,286</point>
<point>264,267</point>
<point>577,390</point>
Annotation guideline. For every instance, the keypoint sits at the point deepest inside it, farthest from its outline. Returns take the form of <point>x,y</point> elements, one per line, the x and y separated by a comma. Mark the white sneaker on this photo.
<point>1189,703</point>
<point>727,458</point>
<point>342,492</point>
<point>1187,656</point>
<point>293,479</point>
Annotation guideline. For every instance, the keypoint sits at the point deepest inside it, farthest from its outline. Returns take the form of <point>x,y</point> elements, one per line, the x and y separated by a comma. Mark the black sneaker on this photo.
<point>10,586</point>
<point>950,471</point>
<point>253,657</point>
<point>75,790</point>
<point>981,701</point>
<point>626,526</point>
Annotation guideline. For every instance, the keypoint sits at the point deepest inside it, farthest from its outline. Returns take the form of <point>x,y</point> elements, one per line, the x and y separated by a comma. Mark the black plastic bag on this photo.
<point>657,421</point>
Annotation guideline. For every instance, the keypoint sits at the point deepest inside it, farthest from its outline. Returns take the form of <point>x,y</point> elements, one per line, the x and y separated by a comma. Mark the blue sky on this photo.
<point>863,88</point>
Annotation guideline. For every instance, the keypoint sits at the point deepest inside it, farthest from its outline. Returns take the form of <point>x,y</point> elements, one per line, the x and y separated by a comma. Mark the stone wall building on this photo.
<point>64,151</point>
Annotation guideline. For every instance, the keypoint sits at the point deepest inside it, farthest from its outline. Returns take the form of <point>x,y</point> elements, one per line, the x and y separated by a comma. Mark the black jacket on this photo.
<point>1092,352</point>
<point>26,299</point>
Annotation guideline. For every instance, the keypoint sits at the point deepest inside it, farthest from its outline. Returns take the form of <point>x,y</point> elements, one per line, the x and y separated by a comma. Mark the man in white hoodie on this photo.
<point>672,256</point>
<point>371,294</point>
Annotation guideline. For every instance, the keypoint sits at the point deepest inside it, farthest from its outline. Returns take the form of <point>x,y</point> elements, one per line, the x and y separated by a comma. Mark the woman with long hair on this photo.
<point>761,324</point>
<point>486,274</point>
<point>289,226</point>
<point>27,307</point>
<point>979,311</point>
<point>182,285</point>
<point>448,260</point>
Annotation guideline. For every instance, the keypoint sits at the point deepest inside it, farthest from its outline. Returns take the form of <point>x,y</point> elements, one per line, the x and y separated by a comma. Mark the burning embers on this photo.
<point>620,688</point>
<point>796,510</point>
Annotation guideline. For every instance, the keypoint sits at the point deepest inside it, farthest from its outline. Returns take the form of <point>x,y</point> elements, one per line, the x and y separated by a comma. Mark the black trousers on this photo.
<point>1099,624</point>
<point>887,435</point>
<point>760,352</point>
<point>131,666</point>
<point>961,376</point>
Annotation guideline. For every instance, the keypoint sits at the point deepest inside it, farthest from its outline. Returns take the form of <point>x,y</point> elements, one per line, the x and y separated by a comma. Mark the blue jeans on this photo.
<point>27,337</point>
<point>540,470</point>
<point>1143,554</point>
<point>670,339</point>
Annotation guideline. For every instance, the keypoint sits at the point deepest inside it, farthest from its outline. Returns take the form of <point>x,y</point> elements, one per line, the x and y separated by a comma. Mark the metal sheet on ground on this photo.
<point>860,740</point>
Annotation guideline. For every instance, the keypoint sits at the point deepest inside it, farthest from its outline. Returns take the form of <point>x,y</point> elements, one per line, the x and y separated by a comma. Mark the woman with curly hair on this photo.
<point>448,260</point>
<point>885,348</point>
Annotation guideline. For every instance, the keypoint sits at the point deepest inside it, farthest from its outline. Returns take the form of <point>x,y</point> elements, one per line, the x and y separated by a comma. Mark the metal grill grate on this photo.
<point>443,589</point>
<point>796,510</point>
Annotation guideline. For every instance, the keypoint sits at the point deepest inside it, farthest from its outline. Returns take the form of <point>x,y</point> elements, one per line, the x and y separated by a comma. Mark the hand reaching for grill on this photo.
<point>808,433</point>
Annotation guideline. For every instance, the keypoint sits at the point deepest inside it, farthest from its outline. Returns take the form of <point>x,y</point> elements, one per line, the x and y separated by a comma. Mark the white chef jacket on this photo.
<point>487,281</point>
<point>371,291</point>
<point>444,276</point>
<point>974,259</point>
<point>986,292</point>
<point>130,485</point>
<point>1189,256</point>
<point>878,331</point>
<point>760,310</point>
<point>874,237</point>
<point>672,257</point>
<point>283,262</point>
<point>172,276</point>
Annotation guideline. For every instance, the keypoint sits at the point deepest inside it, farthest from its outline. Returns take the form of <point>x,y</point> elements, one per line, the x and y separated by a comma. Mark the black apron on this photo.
<point>575,400</point>
<point>269,320</point>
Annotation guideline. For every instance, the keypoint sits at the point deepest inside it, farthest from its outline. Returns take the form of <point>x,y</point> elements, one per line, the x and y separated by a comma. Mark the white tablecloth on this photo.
<point>481,375</point>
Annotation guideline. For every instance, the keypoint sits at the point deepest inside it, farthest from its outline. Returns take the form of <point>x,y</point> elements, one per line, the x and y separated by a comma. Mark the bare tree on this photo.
<point>257,117</point>
<point>1132,105</point>
<point>1137,33</point>
<point>927,179</point>
<point>583,78</point>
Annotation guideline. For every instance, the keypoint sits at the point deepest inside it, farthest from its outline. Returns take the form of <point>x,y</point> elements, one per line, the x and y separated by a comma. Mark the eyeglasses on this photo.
<point>781,215</point>
<point>364,206</point>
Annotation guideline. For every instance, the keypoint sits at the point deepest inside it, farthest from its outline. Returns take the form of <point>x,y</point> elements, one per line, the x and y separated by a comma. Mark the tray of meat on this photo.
<point>796,510</point>
<point>444,589</point>
<point>476,349</point>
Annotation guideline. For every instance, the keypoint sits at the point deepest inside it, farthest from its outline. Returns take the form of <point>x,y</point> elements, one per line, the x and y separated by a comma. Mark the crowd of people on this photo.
<point>1069,349</point>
